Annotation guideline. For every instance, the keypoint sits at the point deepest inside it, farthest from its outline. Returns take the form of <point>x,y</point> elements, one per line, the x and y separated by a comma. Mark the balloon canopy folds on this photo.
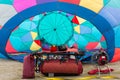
<point>91,24</point>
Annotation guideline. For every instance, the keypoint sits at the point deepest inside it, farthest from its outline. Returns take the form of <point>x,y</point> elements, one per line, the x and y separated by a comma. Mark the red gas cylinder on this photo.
<point>53,48</point>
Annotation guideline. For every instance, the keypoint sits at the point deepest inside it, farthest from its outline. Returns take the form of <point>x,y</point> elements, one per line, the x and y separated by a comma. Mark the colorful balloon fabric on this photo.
<point>28,27</point>
<point>25,37</point>
<point>54,30</point>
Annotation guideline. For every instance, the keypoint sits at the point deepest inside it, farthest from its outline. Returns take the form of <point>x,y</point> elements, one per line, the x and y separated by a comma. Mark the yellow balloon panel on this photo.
<point>81,20</point>
<point>77,29</point>
<point>94,5</point>
<point>34,47</point>
<point>34,35</point>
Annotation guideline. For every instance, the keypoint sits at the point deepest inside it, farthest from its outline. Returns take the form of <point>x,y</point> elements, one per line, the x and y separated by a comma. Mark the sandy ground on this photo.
<point>12,70</point>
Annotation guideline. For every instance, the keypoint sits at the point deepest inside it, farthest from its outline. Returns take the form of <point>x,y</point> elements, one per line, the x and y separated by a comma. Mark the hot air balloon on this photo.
<point>91,24</point>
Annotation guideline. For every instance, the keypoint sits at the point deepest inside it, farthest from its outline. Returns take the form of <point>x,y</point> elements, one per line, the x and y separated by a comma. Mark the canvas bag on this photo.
<point>28,67</point>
